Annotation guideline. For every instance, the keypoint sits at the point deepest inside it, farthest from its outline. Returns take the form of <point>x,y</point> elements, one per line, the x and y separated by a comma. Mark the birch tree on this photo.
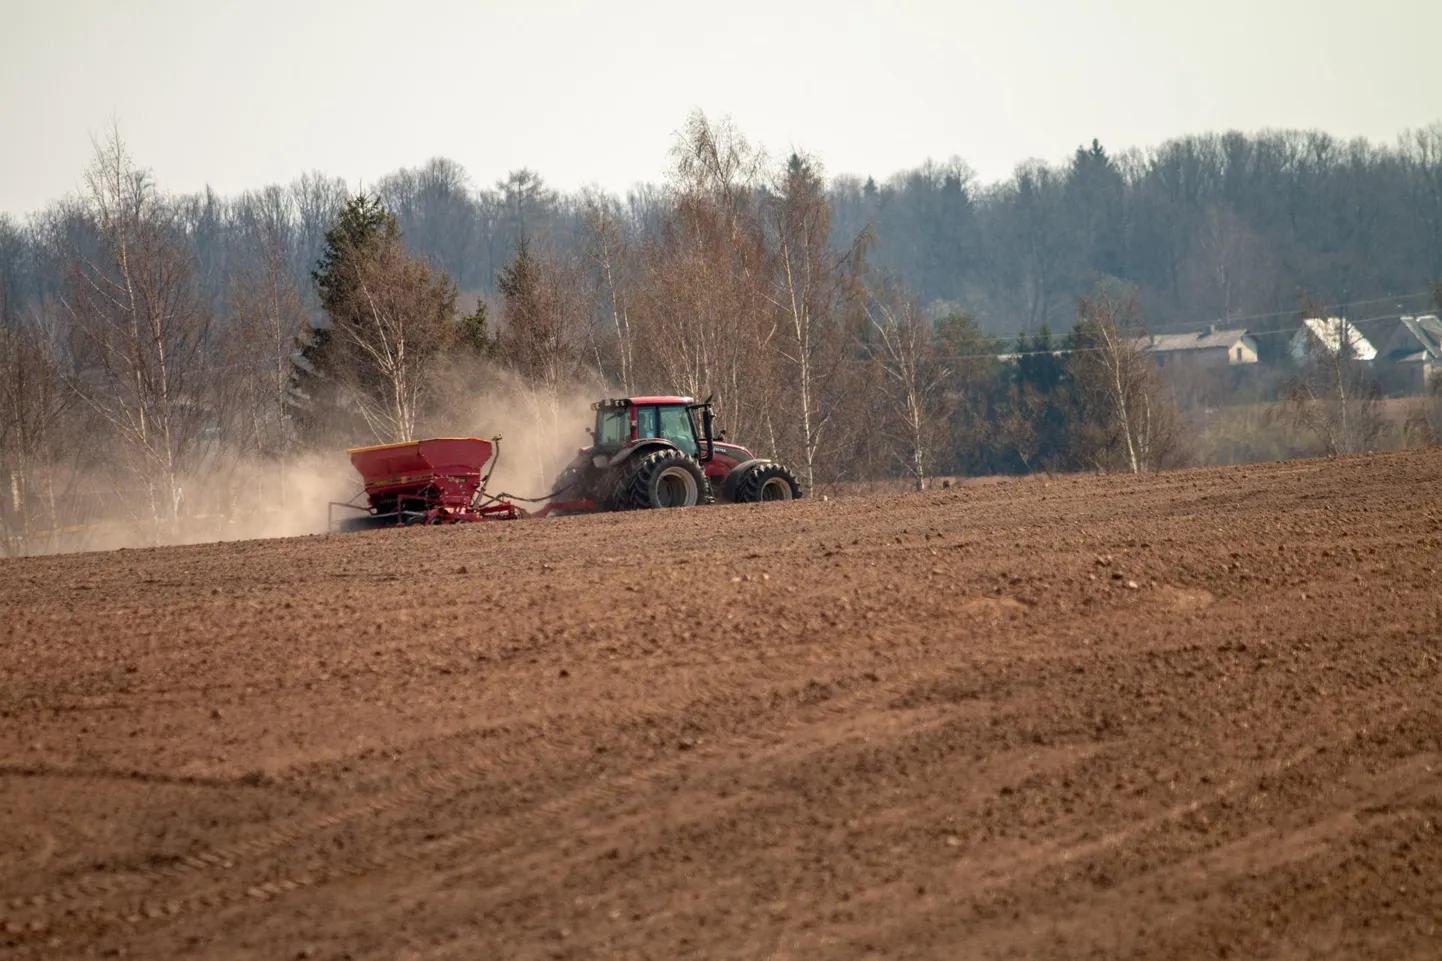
<point>610,257</point>
<point>913,379</point>
<point>810,288</point>
<point>144,330</point>
<point>269,316</point>
<point>1124,418</point>
<point>33,401</point>
<point>700,317</point>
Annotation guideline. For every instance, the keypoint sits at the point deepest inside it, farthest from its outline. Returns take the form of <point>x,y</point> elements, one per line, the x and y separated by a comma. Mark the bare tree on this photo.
<point>33,400</point>
<point>913,379</point>
<point>811,287</point>
<point>714,158</point>
<point>1333,394</point>
<point>1015,428</point>
<point>317,201</point>
<point>1425,419</point>
<point>1229,264</point>
<point>434,207</point>
<point>610,257</point>
<point>1031,209</point>
<point>268,318</point>
<point>542,341</point>
<point>1125,419</point>
<point>1421,150</point>
<point>1423,426</point>
<point>701,321</point>
<point>144,331</point>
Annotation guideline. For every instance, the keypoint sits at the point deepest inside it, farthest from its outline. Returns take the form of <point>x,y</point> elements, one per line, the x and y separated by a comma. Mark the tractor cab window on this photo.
<point>615,428</point>
<point>676,427</point>
<point>646,422</point>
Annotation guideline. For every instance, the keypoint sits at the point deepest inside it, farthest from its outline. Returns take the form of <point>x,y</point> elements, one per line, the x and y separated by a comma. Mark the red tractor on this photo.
<point>646,452</point>
<point>649,452</point>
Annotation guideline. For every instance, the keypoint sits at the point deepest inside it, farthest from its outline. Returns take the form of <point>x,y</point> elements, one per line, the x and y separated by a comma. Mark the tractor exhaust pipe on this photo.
<point>706,419</point>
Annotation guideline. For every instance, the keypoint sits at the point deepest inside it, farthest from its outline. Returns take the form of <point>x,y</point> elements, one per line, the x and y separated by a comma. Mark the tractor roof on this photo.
<point>641,401</point>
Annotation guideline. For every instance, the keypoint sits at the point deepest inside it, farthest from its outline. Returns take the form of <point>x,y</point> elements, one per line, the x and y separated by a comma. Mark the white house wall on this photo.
<point>1243,351</point>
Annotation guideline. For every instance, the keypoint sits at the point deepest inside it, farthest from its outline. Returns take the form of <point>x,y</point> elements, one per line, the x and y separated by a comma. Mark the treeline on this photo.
<point>1208,227</point>
<point>157,348</point>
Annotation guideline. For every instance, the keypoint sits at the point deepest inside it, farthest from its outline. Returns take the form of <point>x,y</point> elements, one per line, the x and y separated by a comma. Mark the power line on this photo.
<point>1061,351</point>
<point>1293,313</point>
<point>1184,327</point>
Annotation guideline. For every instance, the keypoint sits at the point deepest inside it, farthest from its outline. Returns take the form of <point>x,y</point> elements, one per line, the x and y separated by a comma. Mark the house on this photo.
<point>1412,353</point>
<point>1324,336</point>
<point>1213,347</point>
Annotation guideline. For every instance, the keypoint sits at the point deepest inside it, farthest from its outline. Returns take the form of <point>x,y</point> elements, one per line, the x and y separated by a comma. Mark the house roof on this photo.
<point>1209,339</point>
<point>1007,358</point>
<point>1328,332</point>
<point>1417,339</point>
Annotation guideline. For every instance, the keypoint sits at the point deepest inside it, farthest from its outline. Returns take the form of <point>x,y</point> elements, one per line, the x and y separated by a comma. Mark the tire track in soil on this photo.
<point>1265,849</point>
<point>431,784</point>
<point>597,795</point>
<point>1038,861</point>
<point>428,786</point>
<point>1083,844</point>
<point>436,786</point>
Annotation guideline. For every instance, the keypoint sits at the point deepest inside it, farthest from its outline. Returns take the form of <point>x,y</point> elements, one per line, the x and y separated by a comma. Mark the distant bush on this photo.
<point>1251,434</point>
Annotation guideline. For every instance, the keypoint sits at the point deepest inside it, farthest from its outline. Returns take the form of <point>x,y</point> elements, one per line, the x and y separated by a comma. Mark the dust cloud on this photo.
<point>235,496</point>
<point>540,432</point>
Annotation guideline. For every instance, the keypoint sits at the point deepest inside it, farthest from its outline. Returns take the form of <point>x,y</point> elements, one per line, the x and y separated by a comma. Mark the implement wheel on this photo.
<point>767,482</point>
<point>667,478</point>
<point>365,522</point>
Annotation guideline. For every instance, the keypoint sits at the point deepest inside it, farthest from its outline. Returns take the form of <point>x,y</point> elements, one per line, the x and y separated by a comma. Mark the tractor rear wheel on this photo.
<point>767,482</point>
<point>667,478</point>
<point>609,491</point>
<point>570,485</point>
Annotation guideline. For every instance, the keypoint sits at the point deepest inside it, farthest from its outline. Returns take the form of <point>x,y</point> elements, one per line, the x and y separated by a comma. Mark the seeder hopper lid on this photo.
<point>389,465</point>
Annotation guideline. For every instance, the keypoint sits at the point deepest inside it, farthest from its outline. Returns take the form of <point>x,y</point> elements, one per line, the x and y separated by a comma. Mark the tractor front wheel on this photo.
<point>667,478</point>
<point>767,482</point>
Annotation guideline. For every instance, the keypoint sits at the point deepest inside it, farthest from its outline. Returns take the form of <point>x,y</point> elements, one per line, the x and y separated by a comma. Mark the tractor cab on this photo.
<point>679,420</point>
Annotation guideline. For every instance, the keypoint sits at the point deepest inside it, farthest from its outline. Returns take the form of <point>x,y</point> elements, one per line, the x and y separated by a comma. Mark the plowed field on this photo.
<point>1178,716</point>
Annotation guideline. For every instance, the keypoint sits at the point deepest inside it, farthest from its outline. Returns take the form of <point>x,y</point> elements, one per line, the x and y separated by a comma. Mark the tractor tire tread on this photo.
<point>748,488</point>
<point>635,488</point>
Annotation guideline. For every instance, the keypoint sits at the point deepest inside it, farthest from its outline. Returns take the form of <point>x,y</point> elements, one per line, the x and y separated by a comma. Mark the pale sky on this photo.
<point>240,94</point>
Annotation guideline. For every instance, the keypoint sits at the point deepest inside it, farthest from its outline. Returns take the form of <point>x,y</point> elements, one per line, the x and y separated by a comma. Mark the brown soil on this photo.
<point>1186,715</point>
